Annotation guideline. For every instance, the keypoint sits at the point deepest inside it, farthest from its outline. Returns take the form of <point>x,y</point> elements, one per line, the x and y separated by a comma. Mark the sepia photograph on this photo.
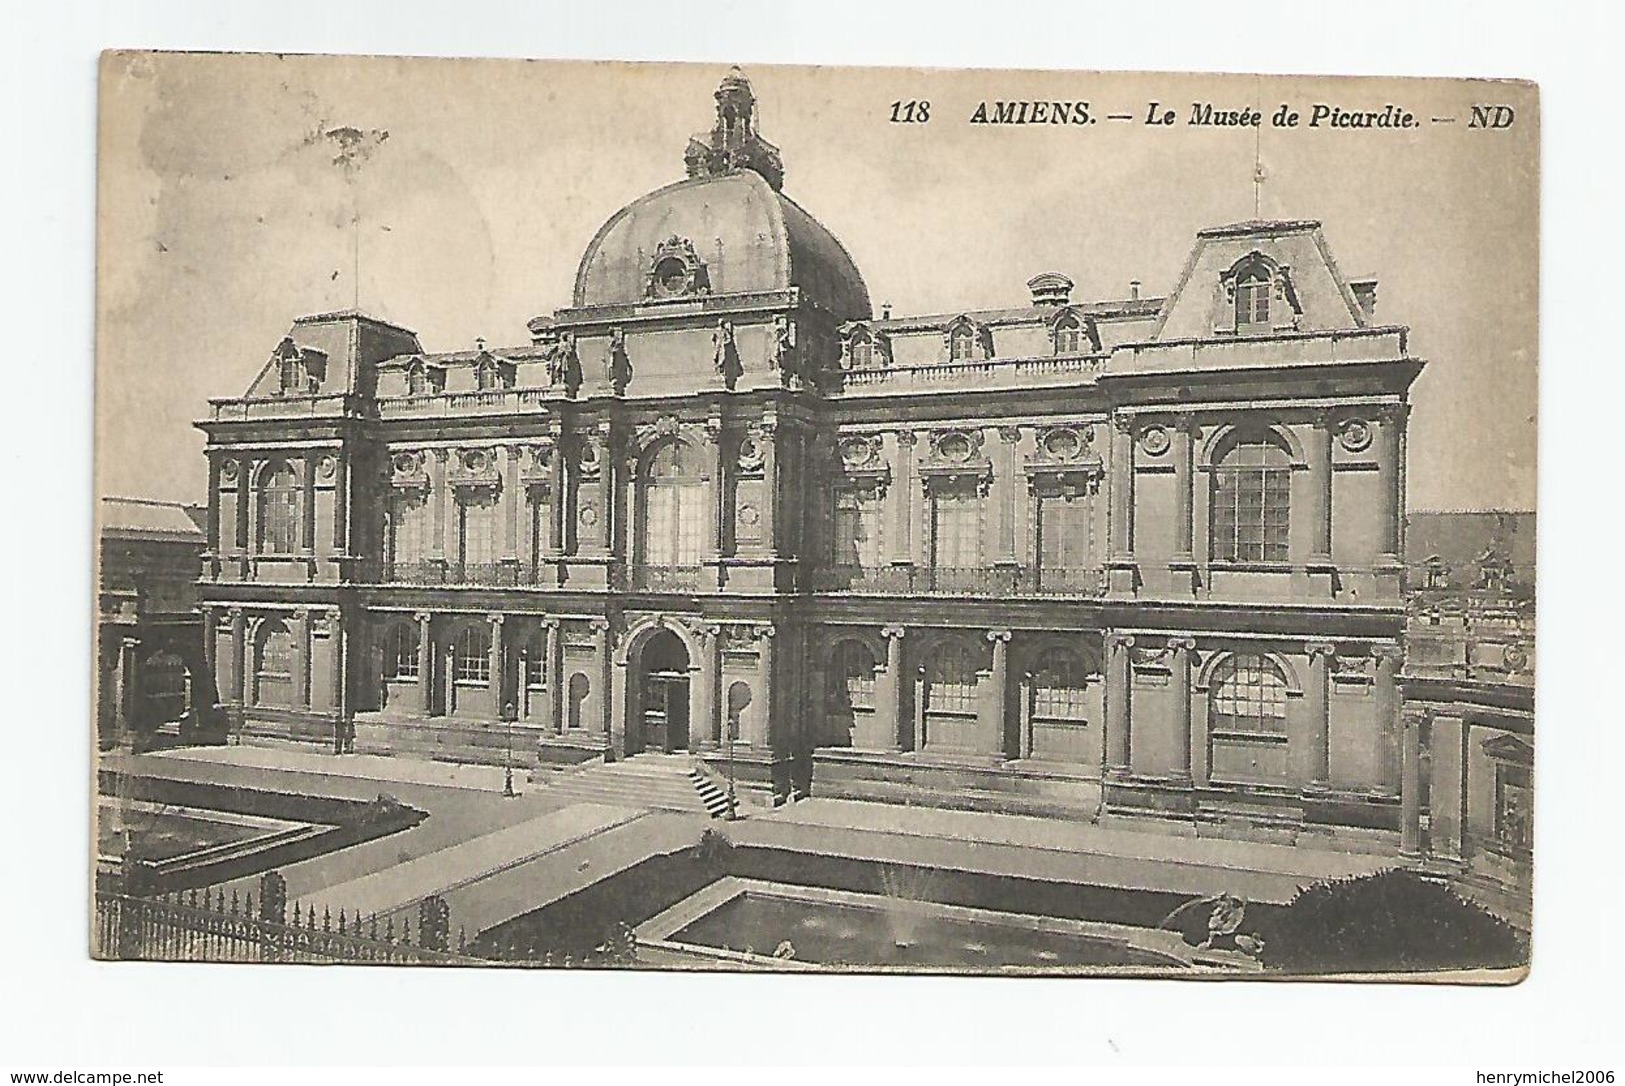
<point>805,519</point>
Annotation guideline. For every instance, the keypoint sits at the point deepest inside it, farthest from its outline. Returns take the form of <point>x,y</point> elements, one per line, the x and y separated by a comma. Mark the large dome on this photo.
<point>727,229</point>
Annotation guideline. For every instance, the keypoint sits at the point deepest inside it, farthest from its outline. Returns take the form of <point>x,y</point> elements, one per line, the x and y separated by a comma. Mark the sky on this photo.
<point>222,215</point>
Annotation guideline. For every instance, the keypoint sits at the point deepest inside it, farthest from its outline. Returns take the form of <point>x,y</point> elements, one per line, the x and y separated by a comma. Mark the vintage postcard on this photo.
<point>789,518</point>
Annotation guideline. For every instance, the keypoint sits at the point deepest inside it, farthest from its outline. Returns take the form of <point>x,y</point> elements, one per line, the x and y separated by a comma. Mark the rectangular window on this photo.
<point>956,529</point>
<point>858,519</point>
<point>1063,532</point>
<point>477,532</point>
<point>1250,513</point>
<point>409,525</point>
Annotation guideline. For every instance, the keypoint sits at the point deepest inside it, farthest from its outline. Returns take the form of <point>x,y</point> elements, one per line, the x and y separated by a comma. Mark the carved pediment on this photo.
<point>676,271</point>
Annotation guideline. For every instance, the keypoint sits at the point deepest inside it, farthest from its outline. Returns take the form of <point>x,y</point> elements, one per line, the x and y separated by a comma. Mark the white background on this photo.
<point>62,1011</point>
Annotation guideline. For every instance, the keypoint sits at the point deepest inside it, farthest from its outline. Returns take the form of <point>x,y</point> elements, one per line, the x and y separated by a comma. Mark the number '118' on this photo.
<point>911,112</point>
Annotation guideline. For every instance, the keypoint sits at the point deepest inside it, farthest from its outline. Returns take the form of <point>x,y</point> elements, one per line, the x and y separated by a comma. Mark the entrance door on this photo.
<point>665,693</point>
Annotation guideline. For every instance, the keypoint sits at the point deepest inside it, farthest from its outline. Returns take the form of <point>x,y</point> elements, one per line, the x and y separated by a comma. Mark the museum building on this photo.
<point>1139,556</point>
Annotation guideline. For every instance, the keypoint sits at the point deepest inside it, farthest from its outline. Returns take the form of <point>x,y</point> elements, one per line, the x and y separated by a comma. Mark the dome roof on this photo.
<point>744,236</point>
<point>726,230</point>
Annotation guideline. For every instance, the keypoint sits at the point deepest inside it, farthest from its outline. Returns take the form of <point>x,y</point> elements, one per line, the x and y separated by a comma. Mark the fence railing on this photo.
<point>205,926</point>
<point>956,581</point>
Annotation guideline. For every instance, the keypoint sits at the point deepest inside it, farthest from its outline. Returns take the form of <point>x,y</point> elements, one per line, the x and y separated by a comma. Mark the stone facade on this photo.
<point>1137,555</point>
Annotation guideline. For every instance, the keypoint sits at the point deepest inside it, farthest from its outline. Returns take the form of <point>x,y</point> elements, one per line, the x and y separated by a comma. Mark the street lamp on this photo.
<point>508,715</point>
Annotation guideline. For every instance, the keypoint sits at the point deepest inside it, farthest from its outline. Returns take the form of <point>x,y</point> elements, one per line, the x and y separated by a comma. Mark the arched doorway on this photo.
<point>663,692</point>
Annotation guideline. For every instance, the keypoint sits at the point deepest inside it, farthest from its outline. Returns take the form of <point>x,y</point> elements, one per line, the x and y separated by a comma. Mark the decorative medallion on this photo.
<point>955,447</point>
<point>1154,440</point>
<point>588,515</point>
<point>1062,444</point>
<point>408,463</point>
<point>325,467</point>
<point>750,453</point>
<point>749,516</point>
<point>589,457</point>
<point>228,471</point>
<point>677,270</point>
<point>1516,658</point>
<point>475,461</point>
<point>1355,435</point>
<point>857,452</point>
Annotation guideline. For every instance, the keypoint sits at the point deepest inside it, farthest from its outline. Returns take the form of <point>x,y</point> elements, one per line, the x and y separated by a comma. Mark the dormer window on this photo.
<point>1068,335</point>
<point>486,376</point>
<point>863,351</point>
<point>961,344</point>
<point>417,381</point>
<point>293,376</point>
<point>1253,288</point>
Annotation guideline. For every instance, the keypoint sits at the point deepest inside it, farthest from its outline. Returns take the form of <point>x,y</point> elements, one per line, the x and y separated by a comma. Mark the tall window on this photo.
<point>857,527</point>
<point>471,656</point>
<point>1068,335</point>
<point>674,507</point>
<point>1248,698</point>
<point>854,675</point>
<point>273,664</point>
<point>535,677</point>
<point>1251,502</point>
<point>956,528</point>
<point>487,376</point>
<point>1063,535</point>
<point>401,651</point>
<point>1059,687</point>
<point>541,524</point>
<point>409,526</point>
<point>962,343</point>
<point>279,510</point>
<point>950,681</point>
<point>417,381</point>
<point>477,530</point>
<point>1253,299</point>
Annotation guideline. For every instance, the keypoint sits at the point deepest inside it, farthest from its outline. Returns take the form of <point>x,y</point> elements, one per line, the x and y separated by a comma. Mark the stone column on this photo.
<point>553,683</point>
<point>437,503</point>
<point>1410,785</point>
<point>239,655</point>
<point>705,725</point>
<point>902,501</point>
<point>307,518</point>
<point>1119,670</point>
<point>1390,432</point>
<point>211,631</point>
<point>242,529</point>
<point>512,500</point>
<point>770,485</point>
<point>1005,489</point>
<point>299,620</point>
<point>557,499</point>
<point>425,663</point>
<point>761,733</point>
<point>341,502</point>
<point>899,682</point>
<point>1386,693</point>
<point>716,541</point>
<point>1122,489</point>
<point>1184,494</point>
<point>919,708</point>
<point>1024,706</point>
<point>998,685</point>
<point>495,664</point>
<point>126,687</point>
<point>1179,683</point>
<point>1317,707</point>
<point>1320,491</point>
<point>1447,809</point>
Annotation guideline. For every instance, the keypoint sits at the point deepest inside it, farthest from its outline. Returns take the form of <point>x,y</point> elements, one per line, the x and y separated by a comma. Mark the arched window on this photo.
<point>962,343</point>
<point>950,681</point>
<point>487,376</point>
<point>417,380</point>
<point>279,509</point>
<point>1068,335</point>
<point>1252,485</point>
<point>1253,299</point>
<point>292,375</point>
<point>1247,697</point>
<point>471,655</point>
<point>273,664</point>
<point>674,507</point>
<point>401,651</point>
<point>1060,683</point>
<point>853,677</point>
<point>863,351</point>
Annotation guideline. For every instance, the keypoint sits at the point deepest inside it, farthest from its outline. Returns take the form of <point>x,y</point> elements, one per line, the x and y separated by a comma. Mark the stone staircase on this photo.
<point>666,782</point>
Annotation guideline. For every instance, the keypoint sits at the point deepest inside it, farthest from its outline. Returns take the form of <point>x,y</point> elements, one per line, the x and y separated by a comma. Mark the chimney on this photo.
<point>1133,290</point>
<point>1050,289</point>
<point>885,311</point>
